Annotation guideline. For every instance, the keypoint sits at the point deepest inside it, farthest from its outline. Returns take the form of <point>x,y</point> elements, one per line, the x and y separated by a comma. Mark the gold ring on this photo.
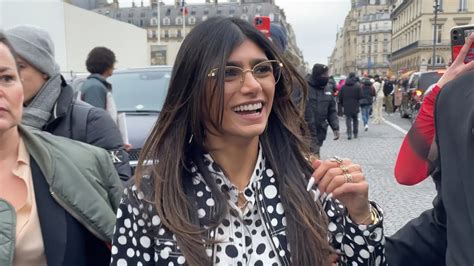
<point>348,178</point>
<point>344,169</point>
<point>338,159</point>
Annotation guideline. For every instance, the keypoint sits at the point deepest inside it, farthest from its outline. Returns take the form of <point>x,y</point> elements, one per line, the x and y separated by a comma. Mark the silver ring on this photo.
<point>338,159</point>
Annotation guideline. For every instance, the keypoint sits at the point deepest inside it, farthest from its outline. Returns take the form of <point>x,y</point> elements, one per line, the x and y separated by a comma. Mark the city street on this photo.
<point>376,150</point>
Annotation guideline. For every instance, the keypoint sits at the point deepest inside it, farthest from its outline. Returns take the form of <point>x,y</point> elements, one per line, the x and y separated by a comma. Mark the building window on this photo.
<point>440,4</point>
<point>439,61</point>
<point>385,37</point>
<point>166,21</point>
<point>141,23</point>
<point>153,34</point>
<point>142,14</point>
<point>244,17</point>
<point>439,32</point>
<point>246,9</point>
<point>219,10</point>
<point>232,10</point>
<point>167,33</point>
<point>179,21</point>
<point>118,15</point>
<point>363,39</point>
<point>462,5</point>
<point>179,35</point>
<point>130,15</point>
<point>192,20</point>
<point>385,48</point>
<point>259,9</point>
<point>204,18</point>
<point>206,11</point>
<point>153,22</point>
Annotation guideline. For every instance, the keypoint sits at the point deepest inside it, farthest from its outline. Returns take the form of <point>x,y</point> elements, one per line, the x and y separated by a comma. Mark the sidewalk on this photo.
<point>376,150</point>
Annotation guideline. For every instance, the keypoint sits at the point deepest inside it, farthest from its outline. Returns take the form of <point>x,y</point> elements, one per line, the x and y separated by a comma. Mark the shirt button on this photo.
<point>373,236</point>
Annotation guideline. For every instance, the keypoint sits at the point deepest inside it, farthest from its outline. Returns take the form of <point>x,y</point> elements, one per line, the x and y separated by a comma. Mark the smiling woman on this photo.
<point>228,174</point>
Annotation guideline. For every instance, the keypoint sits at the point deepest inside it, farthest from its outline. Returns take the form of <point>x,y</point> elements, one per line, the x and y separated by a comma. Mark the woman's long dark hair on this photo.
<point>208,46</point>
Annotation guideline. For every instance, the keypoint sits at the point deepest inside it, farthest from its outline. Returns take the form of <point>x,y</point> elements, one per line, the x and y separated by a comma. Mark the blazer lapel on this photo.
<point>51,216</point>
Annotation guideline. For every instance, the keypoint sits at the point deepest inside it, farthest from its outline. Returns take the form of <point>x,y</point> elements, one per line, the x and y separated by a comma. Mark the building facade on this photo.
<point>413,32</point>
<point>171,31</point>
<point>363,43</point>
<point>373,48</point>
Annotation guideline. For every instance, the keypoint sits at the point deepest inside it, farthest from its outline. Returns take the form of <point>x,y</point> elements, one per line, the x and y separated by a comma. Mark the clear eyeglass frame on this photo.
<point>276,71</point>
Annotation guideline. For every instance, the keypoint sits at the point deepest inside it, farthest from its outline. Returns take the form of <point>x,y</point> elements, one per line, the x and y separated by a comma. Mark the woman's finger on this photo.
<point>341,180</point>
<point>322,169</point>
<point>332,173</point>
<point>361,188</point>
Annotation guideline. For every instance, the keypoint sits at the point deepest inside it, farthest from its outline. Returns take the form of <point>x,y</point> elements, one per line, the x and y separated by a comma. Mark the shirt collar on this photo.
<point>227,187</point>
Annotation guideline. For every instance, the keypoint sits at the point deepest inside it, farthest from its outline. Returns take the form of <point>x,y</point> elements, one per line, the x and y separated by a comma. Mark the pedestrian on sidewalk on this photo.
<point>349,97</point>
<point>388,93</point>
<point>96,91</point>
<point>323,108</point>
<point>230,101</point>
<point>58,197</point>
<point>379,98</point>
<point>49,101</point>
<point>366,100</point>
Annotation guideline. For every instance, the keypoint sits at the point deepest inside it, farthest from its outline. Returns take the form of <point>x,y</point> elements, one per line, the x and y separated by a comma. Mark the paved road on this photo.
<point>376,150</point>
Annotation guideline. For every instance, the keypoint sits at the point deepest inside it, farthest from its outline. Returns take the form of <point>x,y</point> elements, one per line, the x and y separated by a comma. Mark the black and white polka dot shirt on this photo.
<point>244,238</point>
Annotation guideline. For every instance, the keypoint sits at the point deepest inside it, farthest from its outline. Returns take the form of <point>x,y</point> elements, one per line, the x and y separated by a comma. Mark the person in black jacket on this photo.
<point>349,99</point>
<point>322,106</point>
<point>49,101</point>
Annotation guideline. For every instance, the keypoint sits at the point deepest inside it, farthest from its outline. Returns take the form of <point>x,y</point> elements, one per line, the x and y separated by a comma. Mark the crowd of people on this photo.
<point>231,173</point>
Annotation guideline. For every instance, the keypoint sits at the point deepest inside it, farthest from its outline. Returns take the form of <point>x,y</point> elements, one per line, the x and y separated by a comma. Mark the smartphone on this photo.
<point>262,23</point>
<point>458,36</point>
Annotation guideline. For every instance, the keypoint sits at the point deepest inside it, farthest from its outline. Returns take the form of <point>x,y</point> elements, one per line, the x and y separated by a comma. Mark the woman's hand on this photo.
<point>346,183</point>
<point>458,67</point>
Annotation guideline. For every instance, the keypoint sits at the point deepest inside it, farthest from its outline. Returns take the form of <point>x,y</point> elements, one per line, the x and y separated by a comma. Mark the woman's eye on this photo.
<point>6,78</point>
<point>263,69</point>
<point>231,73</point>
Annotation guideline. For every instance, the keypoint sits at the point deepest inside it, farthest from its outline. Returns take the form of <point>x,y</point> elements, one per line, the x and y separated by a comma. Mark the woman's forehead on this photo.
<point>6,57</point>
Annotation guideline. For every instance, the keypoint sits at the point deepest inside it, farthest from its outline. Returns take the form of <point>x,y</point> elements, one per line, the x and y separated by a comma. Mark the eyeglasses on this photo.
<point>266,73</point>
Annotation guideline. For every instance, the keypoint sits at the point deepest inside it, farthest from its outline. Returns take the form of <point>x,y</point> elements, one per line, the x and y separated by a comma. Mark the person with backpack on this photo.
<point>50,104</point>
<point>366,100</point>
<point>349,97</point>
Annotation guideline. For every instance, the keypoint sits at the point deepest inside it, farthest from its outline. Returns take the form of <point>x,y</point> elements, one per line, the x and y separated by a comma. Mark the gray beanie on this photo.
<point>35,46</point>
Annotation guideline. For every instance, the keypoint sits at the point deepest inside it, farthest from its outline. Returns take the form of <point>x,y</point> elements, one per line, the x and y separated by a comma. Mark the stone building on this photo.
<point>171,31</point>
<point>413,32</point>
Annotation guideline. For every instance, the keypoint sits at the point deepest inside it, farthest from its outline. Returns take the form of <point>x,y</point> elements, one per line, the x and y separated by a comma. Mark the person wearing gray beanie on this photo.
<point>49,102</point>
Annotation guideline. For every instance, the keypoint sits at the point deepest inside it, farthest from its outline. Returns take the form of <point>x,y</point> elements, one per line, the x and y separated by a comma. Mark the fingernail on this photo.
<point>310,184</point>
<point>329,196</point>
<point>324,196</point>
<point>317,193</point>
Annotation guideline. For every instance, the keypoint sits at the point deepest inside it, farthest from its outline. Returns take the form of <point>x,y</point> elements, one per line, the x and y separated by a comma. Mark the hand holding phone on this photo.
<point>459,35</point>
<point>459,65</point>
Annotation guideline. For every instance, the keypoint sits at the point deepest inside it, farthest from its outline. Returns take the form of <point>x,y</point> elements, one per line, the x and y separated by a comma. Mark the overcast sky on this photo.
<point>315,23</point>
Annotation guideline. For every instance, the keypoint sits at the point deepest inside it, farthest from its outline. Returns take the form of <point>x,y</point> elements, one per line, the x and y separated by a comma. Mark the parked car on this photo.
<point>412,98</point>
<point>140,94</point>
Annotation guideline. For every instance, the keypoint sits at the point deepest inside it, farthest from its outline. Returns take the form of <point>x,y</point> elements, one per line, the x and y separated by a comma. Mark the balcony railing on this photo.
<point>420,44</point>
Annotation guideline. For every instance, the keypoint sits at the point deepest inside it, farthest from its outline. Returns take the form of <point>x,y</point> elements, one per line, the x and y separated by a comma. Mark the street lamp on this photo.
<point>435,28</point>
<point>158,17</point>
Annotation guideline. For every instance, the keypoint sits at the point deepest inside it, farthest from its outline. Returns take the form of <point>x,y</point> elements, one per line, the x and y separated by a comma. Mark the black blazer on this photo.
<point>450,238</point>
<point>66,241</point>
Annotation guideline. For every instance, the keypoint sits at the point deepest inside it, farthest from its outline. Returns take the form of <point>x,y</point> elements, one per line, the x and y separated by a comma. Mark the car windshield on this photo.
<point>140,91</point>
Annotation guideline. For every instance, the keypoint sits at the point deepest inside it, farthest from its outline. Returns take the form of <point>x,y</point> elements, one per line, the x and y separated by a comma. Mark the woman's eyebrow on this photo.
<point>4,69</point>
<point>253,62</point>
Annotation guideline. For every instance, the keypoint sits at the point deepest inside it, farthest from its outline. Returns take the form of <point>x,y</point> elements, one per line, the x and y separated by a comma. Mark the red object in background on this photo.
<point>262,23</point>
<point>185,11</point>
<point>458,38</point>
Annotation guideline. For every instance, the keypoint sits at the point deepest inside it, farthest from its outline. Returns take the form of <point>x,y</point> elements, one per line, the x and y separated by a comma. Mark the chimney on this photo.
<point>133,4</point>
<point>141,3</point>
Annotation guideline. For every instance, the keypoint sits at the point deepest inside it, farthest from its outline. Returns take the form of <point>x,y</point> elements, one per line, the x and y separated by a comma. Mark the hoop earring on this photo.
<point>191,139</point>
